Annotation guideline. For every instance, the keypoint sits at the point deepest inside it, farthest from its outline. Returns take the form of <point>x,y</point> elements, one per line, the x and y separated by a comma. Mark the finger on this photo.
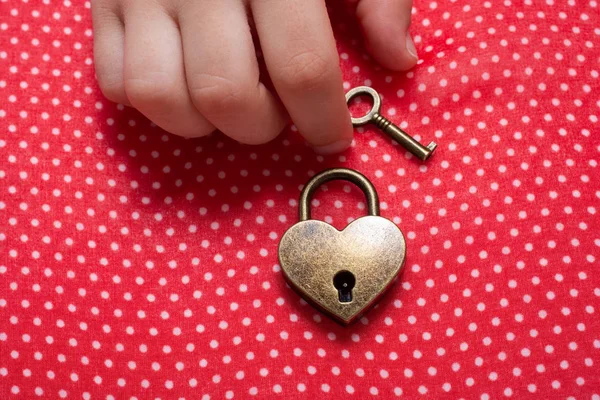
<point>301,56</point>
<point>222,71</point>
<point>154,74</point>
<point>385,25</point>
<point>108,50</point>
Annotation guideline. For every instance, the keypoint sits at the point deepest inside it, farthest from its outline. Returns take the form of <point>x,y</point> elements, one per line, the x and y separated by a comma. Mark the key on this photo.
<point>384,124</point>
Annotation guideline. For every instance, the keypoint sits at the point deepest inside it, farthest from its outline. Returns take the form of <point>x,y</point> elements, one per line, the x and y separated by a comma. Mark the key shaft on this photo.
<point>403,138</point>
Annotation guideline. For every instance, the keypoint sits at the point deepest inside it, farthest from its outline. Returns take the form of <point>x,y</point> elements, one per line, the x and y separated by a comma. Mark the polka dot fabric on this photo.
<point>136,264</point>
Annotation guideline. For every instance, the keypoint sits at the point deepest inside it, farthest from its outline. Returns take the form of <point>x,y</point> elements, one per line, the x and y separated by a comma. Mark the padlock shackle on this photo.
<point>338,174</point>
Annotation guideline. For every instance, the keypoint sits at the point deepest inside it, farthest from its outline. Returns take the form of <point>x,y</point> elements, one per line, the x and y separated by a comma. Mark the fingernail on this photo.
<point>410,46</point>
<point>333,148</point>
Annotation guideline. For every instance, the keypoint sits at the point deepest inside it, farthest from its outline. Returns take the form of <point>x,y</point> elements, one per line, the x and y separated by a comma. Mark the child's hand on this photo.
<point>190,65</point>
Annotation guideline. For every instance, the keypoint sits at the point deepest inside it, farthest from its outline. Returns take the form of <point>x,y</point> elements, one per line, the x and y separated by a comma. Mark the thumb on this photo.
<point>385,25</point>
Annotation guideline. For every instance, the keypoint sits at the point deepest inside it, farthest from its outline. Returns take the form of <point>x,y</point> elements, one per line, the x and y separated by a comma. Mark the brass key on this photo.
<point>397,134</point>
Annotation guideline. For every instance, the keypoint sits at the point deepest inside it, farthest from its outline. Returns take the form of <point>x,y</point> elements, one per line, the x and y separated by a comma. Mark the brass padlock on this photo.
<point>342,272</point>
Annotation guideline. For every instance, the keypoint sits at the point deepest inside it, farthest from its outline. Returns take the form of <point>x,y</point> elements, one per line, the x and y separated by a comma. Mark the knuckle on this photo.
<point>307,71</point>
<point>214,94</point>
<point>150,93</point>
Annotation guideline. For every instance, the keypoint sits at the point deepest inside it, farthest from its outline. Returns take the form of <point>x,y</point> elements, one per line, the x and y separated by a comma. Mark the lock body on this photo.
<point>343,273</point>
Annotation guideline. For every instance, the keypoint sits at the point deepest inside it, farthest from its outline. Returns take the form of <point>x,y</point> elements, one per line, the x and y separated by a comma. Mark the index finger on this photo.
<point>299,49</point>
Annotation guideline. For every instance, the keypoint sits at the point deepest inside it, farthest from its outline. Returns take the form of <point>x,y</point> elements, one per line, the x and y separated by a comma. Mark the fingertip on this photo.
<point>342,140</point>
<point>108,52</point>
<point>395,57</point>
<point>385,26</point>
<point>410,47</point>
<point>113,90</point>
<point>333,148</point>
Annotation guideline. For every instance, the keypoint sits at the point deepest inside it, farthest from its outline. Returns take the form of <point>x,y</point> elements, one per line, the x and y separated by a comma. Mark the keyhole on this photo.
<point>344,282</point>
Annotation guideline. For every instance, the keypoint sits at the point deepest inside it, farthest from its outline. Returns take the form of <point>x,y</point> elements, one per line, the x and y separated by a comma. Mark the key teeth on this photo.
<point>432,146</point>
<point>381,122</point>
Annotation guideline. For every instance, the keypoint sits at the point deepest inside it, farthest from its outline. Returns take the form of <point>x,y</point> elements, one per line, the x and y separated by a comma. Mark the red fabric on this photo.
<point>136,263</point>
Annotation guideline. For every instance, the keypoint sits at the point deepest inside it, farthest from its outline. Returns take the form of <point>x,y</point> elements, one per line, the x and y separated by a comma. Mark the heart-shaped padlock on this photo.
<point>342,272</point>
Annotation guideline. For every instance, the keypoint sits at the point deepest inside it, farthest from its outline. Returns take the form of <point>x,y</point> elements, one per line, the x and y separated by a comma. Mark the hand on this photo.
<point>190,65</point>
